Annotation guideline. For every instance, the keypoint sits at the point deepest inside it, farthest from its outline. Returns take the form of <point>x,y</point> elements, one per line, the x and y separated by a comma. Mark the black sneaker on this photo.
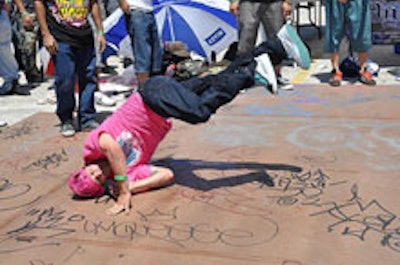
<point>21,90</point>
<point>67,129</point>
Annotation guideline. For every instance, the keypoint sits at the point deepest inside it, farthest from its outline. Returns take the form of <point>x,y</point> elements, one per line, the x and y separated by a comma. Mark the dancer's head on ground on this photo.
<point>88,181</point>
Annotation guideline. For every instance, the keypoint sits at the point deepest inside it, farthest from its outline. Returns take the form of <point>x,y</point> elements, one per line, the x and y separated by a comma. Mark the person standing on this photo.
<point>8,65</point>
<point>68,37</point>
<point>353,17</point>
<point>146,44</point>
<point>271,14</point>
<point>25,31</point>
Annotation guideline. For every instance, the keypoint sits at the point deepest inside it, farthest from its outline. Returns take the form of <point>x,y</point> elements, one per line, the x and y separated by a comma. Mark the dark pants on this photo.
<point>193,100</point>
<point>196,99</point>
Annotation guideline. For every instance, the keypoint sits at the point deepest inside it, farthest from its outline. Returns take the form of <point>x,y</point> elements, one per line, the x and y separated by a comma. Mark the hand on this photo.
<point>123,204</point>
<point>343,1</point>
<point>102,42</point>
<point>286,10</point>
<point>50,43</point>
<point>124,6</point>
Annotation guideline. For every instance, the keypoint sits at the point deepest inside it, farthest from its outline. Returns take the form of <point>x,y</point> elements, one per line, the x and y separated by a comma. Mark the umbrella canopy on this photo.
<point>203,25</point>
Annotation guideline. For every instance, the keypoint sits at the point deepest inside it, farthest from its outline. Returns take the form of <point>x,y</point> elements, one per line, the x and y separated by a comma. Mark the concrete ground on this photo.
<point>16,108</point>
<point>305,177</point>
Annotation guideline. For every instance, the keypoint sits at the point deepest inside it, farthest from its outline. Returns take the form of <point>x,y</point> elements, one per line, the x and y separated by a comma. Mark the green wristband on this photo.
<point>100,32</point>
<point>120,178</point>
<point>24,14</point>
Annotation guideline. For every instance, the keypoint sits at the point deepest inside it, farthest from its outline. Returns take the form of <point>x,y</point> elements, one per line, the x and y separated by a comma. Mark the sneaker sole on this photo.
<point>265,69</point>
<point>68,133</point>
<point>289,37</point>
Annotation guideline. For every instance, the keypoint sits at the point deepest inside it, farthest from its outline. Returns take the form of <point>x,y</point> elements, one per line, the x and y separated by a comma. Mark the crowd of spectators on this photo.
<point>71,40</point>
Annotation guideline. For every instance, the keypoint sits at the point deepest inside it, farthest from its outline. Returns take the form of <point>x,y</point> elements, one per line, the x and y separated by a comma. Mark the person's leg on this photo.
<point>169,98</point>
<point>249,21</point>
<point>138,28</point>
<point>87,77</point>
<point>25,46</point>
<point>17,39</point>
<point>337,75</point>
<point>8,65</point>
<point>272,21</point>
<point>156,50</point>
<point>160,176</point>
<point>272,18</point>
<point>334,33</point>
<point>64,84</point>
<point>33,73</point>
<point>360,35</point>
<point>196,99</point>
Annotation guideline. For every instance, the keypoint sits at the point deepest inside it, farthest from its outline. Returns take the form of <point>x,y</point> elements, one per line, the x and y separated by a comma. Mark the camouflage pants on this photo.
<point>25,42</point>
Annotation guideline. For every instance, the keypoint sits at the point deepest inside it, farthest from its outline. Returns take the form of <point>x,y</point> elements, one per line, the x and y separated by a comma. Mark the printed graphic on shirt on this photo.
<point>130,146</point>
<point>70,12</point>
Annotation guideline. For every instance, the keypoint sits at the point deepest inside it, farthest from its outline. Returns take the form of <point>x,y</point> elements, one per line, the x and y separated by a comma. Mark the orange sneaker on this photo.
<point>336,79</point>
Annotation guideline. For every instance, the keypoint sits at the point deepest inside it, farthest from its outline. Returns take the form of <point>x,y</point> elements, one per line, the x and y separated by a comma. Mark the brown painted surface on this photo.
<point>308,177</point>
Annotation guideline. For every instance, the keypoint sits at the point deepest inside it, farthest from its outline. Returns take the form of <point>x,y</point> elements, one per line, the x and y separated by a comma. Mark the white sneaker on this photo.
<point>265,69</point>
<point>294,46</point>
<point>284,84</point>
<point>3,123</point>
<point>104,100</point>
<point>67,129</point>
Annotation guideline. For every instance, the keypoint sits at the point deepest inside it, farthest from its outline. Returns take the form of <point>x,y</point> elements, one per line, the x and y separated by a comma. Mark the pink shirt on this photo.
<point>136,128</point>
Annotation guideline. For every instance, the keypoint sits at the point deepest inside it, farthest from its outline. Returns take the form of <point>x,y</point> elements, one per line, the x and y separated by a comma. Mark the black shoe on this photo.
<point>34,76</point>
<point>21,91</point>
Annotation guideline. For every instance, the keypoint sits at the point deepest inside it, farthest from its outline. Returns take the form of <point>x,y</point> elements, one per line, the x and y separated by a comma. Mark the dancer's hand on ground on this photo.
<point>123,204</point>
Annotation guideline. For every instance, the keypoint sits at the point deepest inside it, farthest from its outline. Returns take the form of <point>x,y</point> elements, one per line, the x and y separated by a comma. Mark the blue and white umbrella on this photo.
<point>203,25</point>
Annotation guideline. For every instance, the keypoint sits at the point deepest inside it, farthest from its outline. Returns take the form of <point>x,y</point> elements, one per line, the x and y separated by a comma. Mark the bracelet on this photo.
<point>100,32</point>
<point>120,178</point>
<point>24,14</point>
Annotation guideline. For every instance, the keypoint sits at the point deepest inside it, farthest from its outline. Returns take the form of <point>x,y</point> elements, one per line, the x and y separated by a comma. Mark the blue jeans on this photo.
<point>8,63</point>
<point>146,44</point>
<point>71,62</point>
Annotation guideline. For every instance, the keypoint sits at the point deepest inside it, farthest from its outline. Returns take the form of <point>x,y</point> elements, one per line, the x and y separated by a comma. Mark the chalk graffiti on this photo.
<point>377,142</point>
<point>39,262</point>
<point>46,226</point>
<point>291,262</point>
<point>359,218</point>
<point>290,188</point>
<point>306,189</point>
<point>51,161</point>
<point>15,196</point>
<point>15,132</point>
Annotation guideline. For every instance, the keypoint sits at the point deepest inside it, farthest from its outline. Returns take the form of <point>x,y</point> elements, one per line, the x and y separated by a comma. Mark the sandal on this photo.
<point>366,78</point>
<point>336,79</point>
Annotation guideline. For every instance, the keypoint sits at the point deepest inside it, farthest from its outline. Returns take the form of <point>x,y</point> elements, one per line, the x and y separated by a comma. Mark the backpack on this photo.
<point>350,67</point>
